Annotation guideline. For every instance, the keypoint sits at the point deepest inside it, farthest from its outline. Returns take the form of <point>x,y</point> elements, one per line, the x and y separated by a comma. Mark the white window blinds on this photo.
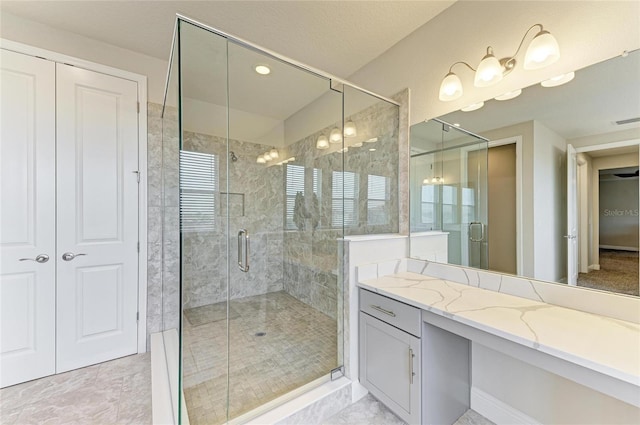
<point>198,191</point>
<point>377,198</point>
<point>294,184</point>
<point>344,183</point>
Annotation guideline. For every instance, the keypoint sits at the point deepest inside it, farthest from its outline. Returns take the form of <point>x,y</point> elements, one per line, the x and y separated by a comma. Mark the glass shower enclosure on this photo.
<point>267,164</point>
<point>448,187</point>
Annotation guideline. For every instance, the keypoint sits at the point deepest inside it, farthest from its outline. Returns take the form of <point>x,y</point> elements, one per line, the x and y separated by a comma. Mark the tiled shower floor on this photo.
<point>298,346</point>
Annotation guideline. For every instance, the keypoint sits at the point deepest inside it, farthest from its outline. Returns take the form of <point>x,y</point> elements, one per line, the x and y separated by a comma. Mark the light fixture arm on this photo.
<point>508,60</point>
<point>464,63</point>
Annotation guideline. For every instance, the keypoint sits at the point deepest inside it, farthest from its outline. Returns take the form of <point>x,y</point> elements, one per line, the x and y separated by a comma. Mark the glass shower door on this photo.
<point>449,190</point>
<point>283,286</point>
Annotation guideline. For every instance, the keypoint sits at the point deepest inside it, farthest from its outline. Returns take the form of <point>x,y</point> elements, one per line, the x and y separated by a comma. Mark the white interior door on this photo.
<point>97,221</point>
<point>27,218</point>
<point>572,216</point>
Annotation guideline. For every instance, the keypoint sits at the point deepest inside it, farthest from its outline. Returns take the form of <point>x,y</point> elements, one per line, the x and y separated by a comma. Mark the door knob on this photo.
<point>42,258</point>
<point>68,256</point>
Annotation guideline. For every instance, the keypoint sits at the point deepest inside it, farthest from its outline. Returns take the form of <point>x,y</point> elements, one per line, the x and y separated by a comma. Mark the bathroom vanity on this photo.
<point>600,353</point>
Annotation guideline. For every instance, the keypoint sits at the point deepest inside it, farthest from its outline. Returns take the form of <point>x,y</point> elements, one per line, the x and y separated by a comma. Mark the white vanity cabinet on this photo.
<point>390,353</point>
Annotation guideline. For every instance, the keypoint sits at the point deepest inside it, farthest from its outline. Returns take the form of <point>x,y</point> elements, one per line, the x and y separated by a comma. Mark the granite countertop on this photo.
<point>609,346</point>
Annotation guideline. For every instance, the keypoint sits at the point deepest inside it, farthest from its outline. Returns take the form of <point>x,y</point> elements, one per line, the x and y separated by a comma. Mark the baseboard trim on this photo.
<point>594,267</point>
<point>497,411</point>
<point>620,248</point>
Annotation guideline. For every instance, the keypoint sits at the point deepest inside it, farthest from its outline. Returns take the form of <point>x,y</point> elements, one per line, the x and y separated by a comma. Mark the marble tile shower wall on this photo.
<point>311,254</point>
<point>163,307</point>
<point>256,204</point>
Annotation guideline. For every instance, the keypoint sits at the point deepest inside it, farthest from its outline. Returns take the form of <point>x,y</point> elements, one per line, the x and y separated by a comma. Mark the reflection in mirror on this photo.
<point>535,226</point>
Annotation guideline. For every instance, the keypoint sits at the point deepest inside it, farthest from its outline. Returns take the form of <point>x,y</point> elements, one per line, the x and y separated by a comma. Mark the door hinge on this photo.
<point>137,316</point>
<point>137,173</point>
<point>138,247</point>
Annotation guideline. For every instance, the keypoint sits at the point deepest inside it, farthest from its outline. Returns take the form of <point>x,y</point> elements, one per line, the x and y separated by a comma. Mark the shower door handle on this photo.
<point>472,226</point>
<point>243,250</point>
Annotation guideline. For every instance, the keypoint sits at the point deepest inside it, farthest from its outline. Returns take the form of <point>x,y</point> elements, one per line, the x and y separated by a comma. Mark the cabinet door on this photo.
<point>390,367</point>
<point>27,218</point>
<point>97,216</point>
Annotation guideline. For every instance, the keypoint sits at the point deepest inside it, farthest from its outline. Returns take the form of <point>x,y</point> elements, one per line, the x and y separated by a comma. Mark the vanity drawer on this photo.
<point>393,312</point>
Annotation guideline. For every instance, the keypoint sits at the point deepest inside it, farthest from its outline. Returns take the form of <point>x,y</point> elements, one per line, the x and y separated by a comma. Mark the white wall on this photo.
<point>543,396</point>
<point>585,256</point>
<point>549,203</point>
<point>587,32</point>
<point>33,33</point>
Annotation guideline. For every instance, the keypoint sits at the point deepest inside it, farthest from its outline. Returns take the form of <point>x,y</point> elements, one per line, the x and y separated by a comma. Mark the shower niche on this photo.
<point>267,164</point>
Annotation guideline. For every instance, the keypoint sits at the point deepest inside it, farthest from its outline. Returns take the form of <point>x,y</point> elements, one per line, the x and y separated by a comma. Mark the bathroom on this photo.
<point>291,254</point>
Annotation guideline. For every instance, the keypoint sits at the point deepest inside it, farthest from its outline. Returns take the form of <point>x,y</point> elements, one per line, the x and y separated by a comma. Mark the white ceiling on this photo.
<point>336,36</point>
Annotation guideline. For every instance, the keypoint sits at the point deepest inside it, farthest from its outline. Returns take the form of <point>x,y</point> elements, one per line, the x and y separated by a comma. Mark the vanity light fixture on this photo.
<point>509,95</point>
<point>335,136</point>
<point>559,80</point>
<point>262,69</point>
<point>322,142</point>
<point>261,160</point>
<point>273,153</point>
<point>350,129</point>
<point>542,51</point>
<point>267,157</point>
<point>472,107</point>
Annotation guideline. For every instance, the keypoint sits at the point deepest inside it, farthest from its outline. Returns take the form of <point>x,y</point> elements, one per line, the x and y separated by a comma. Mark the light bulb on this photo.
<point>489,71</point>
<point>350,129</point>
<point>450,88</point>
<point>322,142</point>
<point>558,80</point>
<point>542,51</point>
<point>335,136</point>
<point>274,153</point>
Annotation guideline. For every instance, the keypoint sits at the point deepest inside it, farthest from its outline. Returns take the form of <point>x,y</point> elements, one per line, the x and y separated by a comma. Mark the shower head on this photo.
<point>233,156</point>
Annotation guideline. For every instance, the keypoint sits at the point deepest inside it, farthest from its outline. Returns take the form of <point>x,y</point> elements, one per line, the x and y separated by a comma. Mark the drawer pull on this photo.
<point>382,310</point>
<point>411,372</point>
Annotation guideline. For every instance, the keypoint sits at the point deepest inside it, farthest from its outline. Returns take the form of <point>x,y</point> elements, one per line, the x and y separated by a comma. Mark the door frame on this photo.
<point>141,81</point>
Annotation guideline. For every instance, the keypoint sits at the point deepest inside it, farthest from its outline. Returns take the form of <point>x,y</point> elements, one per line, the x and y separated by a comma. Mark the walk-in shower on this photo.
<point>263,174</point>
<point>449,190</point>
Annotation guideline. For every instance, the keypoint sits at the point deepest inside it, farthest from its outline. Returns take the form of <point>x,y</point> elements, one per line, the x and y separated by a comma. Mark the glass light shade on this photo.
<point>350,129</point>
<point>335,136</point>
<point>426,181</point>
<point>322,142</point>
<point>357,145</point>
<point>267,157</point>
<point>542,51</point>
<point>509,95</point>
<point>293,158</point>
<point>260,160</point>
<point>274,153</point>
<point>372,140</point>
<point>472,107</point>
<point>450,88</point>
<point>559,80</point>
<point>489,71</point>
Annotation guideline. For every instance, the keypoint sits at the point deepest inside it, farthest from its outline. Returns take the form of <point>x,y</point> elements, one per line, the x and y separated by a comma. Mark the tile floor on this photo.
<point>369,411</point>
<point>115,392</point>
<point>298,346</point>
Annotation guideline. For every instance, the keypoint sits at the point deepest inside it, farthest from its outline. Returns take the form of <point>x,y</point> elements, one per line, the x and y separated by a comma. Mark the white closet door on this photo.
<point>27,218</point>
<point>97,195</point>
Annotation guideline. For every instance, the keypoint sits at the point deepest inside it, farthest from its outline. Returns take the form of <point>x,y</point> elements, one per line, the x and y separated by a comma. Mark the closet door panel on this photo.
<point>27,218</point>
<point>97,156</point>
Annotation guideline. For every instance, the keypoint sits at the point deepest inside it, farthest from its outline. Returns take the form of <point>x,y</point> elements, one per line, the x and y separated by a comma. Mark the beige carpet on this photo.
<point>618,273</point>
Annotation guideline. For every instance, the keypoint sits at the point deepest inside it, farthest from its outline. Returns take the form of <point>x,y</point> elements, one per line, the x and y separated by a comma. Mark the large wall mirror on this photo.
<point>543,185</point>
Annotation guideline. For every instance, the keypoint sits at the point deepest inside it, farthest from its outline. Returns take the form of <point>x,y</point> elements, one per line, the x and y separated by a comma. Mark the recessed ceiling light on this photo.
<point>509,95</point>
<point>263,69</point>
<point>559,80</point>
<point>472,107</point>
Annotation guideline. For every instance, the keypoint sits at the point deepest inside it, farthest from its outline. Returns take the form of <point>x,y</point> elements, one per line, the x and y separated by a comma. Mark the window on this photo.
<point>198,187</point>
<point>294,183</point>
<point>377,199</point>
<point>428,206</point>
<point>468,205</point>
<point>344,197</point>
<point>449,204</point>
